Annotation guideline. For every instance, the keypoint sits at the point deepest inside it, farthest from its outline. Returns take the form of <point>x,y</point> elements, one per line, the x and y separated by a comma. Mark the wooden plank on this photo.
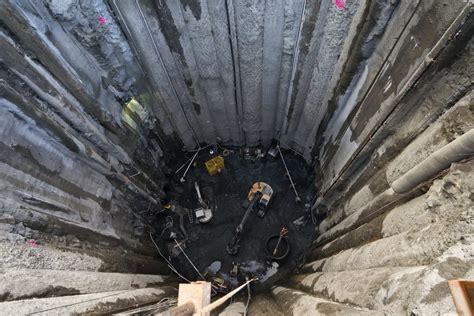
<point>199,293</point>
<point>463,296</point>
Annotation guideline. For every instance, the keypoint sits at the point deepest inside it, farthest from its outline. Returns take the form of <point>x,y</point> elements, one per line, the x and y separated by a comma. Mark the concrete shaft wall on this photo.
<point>400,261</point>
<point>97,95</point>
<point>243,72</point>
<point>76,158</point>
<point>368,105</point>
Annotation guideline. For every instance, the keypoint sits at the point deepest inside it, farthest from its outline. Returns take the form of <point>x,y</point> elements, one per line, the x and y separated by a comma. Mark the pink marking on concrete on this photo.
<point>340,4</point>
<point>102,20</point>
<point>32,243</point>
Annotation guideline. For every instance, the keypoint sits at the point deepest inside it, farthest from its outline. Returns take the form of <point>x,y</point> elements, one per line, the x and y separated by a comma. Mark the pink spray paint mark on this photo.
<point>340,4</point>
<point>32,243</point>
<point>102,20</point>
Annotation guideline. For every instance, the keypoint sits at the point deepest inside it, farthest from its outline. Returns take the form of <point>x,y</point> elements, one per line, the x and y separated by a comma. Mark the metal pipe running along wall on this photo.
<point>459,149</point>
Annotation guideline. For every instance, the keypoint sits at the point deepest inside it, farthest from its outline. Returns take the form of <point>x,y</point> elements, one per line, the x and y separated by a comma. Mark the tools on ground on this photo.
<point>219,285</point>
<point>259,153</point>
<point>297,199</point>
<point>168,231</point>
<point>233,247</point>
<point>283,233</point>
<point>260,194</point>
<point>183,178</point>
<point>301,221</point>
<point>191,161</point>
<point>215,165</point>
<point>266,192</point>
<point>272,152</point>
<point>203,213</point>
<point>174,227</point>
<point>277,246</point>
<point>253,153</point>
<point>234,271</point>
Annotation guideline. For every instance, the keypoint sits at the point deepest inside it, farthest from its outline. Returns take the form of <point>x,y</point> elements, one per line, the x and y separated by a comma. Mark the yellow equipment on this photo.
<point>264,189</point>
<point>215,165</point>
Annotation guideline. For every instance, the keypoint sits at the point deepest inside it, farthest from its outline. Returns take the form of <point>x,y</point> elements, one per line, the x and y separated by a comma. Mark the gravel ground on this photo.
<point>22,255</point>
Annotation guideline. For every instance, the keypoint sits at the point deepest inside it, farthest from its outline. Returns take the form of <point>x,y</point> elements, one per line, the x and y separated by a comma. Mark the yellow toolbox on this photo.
<point>215,165</point>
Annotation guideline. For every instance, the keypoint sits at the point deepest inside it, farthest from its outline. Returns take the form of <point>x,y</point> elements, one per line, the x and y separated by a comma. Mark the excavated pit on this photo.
<point>227,191</point>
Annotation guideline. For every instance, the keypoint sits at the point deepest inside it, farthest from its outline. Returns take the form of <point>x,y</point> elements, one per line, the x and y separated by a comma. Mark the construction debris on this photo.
<point>277,246</point>
<point>203,213</point>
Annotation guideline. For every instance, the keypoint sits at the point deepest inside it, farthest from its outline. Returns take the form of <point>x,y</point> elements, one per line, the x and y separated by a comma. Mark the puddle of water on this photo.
<point>214,267</point>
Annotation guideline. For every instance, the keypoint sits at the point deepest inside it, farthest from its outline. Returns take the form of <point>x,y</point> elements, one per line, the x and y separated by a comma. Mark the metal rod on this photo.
<point>191,159</point>
<point>293,69</point>
<point>221,300</point>
<point>183,179</point>
<point>293,150</point>
<point>283,232</point>
<point>182,250</point>
<point>201,201</point>
<point>209,145</point>
<point>249,297</point>
<point>183,165</point>
<point>166,260</point>
<point>289,175</point>
<point>277,245</point>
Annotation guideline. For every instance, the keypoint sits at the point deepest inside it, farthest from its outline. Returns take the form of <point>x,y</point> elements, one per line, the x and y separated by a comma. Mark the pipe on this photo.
<point>460,148</point>
<point>167,261</point>
<point>221,300</point>
<point>298,199</point>
<point>196,269</point>
<point>183,178</point>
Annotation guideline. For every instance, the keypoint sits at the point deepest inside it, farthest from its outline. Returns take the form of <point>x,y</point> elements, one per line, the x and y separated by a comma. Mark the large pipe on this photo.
<point>460,148</point>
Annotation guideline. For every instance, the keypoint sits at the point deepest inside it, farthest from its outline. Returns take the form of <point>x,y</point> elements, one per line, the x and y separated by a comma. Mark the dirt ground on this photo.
<point>206,243</point>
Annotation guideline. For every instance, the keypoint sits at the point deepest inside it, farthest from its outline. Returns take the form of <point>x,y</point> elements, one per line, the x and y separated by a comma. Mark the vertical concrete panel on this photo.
<point>333,25</point>
<point>293,18</point>
<point>220,16</point>
<point>314,19</point>
<point>336,31</point>
<point>208,82</point>
<point>84,66</point>
<point>249,19</point>
<point>274,24</point>
<point>176,52</point>
<point>155,56</point>
<point>381,93</point>
<point>189,63</point>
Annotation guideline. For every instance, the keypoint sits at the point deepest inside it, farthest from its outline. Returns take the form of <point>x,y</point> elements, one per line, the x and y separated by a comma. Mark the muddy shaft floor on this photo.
<point>206,243</point>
